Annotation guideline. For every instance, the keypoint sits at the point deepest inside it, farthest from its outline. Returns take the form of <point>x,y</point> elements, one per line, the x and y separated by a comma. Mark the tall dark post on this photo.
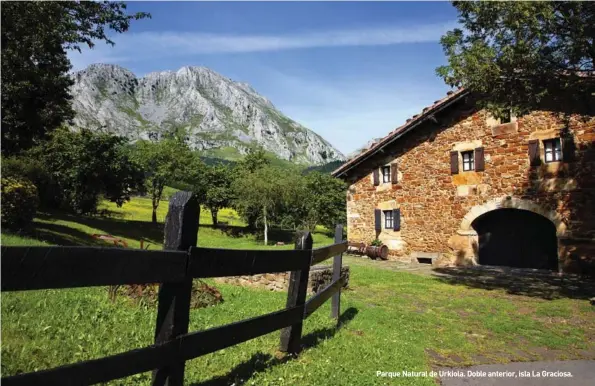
<point>337,264</point>
<point>173,313</point>
<point>291,337</point>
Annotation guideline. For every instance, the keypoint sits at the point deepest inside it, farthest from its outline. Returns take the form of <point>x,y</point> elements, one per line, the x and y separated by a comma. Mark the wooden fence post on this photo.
<point>173,312</point>
<point>337,265</point>
<point>291,337</point>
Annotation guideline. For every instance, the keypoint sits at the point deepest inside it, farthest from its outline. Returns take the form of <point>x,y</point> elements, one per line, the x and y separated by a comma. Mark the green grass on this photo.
<point>132,222</point>
<point>232,154</point>
<point>392,321</point>
<point>224,152</point>
<point>10,239</point>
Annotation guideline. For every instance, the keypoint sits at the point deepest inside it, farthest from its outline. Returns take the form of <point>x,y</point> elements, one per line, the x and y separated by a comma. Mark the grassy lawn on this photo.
<point>132,222</point>
<point>391,321</point>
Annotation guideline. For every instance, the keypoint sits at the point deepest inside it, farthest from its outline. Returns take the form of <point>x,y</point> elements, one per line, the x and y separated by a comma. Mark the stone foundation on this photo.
<point>319,278</point>
<point>577,255</point>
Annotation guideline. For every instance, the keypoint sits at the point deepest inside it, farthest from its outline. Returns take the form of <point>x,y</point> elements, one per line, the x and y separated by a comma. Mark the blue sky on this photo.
<point>350,71</point>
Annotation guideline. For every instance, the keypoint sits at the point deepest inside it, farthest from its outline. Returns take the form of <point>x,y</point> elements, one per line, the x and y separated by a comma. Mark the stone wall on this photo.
<point>320,276</point>
<point>437,207</point>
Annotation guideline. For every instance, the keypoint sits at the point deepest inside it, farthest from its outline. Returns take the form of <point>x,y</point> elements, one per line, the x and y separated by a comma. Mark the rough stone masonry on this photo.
<point>319,277</point>
<point>437,200</point>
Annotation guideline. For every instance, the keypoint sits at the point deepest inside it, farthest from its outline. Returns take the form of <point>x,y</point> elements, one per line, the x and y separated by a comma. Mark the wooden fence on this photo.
<point>34,268</point>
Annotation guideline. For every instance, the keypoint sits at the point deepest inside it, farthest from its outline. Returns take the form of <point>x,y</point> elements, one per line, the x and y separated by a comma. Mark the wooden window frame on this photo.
<point>470,163</point>
<point>388,216</point>
<point>386,177</point>
<point>549,147</point>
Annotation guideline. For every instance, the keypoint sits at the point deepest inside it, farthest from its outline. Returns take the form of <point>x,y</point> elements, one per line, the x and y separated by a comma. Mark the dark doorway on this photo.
<point>516,238</point>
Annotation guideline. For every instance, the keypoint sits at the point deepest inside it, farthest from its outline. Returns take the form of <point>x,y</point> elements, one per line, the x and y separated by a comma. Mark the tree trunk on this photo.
<point>157,192</point>
<point>154,217</point>
<point>266,227</point>
<point>214,217</point>
<point>154,202</point>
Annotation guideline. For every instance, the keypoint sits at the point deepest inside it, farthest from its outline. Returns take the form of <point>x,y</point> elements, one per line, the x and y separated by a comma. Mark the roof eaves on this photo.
<point>411,123</point>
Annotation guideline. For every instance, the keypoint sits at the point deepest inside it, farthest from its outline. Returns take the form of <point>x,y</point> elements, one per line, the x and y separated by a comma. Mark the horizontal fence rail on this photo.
<point>101,370</point>
<point>212,262</point>
<point>317,300</point>
<point>321,254</point>
<point>204,342</point>
<point>34,268</point>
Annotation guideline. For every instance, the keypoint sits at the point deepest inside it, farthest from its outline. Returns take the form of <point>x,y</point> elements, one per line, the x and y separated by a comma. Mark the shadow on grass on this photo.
<point>516,281</point>
<point>56,234</point>
<point>275,235</point>
<point>260,361</point>
<point>64,235</point>
<point>47,230</point>
<point>234,231</point>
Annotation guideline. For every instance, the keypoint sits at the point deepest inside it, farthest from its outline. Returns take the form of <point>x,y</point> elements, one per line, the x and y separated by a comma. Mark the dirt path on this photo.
<point>422,269</point>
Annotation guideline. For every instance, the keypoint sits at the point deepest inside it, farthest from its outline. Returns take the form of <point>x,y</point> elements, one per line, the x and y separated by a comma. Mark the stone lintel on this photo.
<point>467,145</point>
<point>505,128</point>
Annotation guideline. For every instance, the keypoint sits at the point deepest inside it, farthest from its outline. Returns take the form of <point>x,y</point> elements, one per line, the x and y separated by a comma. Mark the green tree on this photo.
<point>164,162</point>
<point>34,65</point>
<point>84,165</point>
<point>519,55</point>
<point>260,191</point>
<point>327,200</point>
<point>312,199</point>
<point>219,194</point>
<point>254,160</point>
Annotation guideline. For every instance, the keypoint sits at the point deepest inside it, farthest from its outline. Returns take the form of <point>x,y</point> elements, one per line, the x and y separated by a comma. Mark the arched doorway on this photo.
<point>516,238</point>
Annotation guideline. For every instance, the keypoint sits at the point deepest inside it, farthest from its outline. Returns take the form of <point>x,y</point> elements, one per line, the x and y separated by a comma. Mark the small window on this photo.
<point>385,174</point>
<point>388,219</point>
<point>553,150</point>
<point>468,162</point>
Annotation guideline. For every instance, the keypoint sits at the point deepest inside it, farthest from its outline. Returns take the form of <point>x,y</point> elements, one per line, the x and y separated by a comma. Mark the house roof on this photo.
<point>416,120</point>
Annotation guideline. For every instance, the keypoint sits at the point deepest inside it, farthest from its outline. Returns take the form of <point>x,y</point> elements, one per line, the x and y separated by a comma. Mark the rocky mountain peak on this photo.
<point>215,113</point>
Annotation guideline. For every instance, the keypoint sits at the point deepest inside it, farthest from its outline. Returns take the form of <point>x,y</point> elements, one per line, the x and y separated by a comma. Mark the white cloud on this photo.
<point>154,45</point>
<point>203,43</point>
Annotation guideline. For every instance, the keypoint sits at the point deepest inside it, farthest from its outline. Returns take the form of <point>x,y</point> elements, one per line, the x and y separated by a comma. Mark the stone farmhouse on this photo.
<point>457,186</point>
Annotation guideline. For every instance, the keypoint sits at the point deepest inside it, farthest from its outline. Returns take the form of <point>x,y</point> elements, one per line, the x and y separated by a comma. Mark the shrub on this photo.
<point>19,202</point>
<point>376,243</point>
<point>202,295</point>
<point>84,165</point>
<point>32,169</point>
